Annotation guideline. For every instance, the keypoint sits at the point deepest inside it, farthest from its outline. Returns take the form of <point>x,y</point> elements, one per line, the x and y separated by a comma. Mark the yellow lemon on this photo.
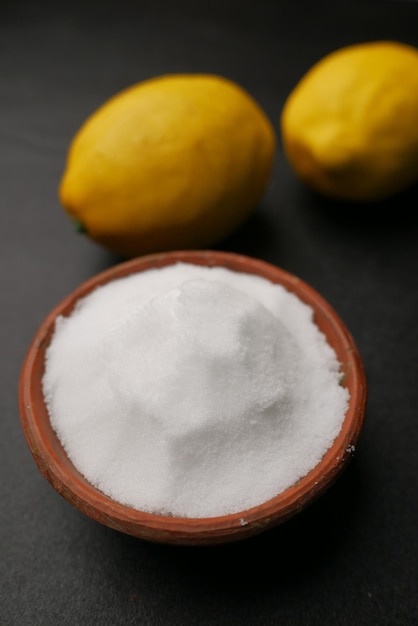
<point>350,126</point>
<point>176,161</point>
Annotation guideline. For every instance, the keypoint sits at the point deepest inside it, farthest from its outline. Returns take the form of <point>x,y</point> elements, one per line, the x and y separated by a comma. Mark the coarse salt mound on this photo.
<point>193,391</point>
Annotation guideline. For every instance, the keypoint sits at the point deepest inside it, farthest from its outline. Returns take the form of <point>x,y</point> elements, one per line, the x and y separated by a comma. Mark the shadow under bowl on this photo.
<point>59,471</point>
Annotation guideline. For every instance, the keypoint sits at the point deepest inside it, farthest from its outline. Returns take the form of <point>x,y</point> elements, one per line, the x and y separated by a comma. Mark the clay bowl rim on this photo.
<point>58,470</point>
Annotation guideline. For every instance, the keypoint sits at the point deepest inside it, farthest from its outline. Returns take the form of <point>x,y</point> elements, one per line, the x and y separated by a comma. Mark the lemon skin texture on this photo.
<point>350,126</point>
<point>176,161</point>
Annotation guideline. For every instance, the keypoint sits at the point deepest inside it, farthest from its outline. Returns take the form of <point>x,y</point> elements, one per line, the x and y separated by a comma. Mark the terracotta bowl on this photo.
<point>67,481</point>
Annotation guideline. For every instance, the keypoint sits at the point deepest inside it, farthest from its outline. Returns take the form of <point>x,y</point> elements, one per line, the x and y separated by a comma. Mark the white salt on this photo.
<point>193,391</point>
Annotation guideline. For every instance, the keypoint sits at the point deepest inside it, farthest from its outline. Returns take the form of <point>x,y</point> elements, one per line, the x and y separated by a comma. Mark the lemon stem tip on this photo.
<point>79,227</point>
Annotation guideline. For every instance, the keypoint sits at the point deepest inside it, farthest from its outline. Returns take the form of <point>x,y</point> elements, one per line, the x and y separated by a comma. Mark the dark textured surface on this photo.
<point>351,559</point>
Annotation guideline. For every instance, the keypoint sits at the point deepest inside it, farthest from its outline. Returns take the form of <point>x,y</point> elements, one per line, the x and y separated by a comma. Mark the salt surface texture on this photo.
<point>193,391</point>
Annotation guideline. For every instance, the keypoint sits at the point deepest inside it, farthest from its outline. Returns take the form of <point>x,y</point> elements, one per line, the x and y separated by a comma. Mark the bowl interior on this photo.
<point>56,467</point>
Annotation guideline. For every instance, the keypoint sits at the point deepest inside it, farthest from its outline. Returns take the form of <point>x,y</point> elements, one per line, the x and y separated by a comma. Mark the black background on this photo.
<point>351,558</point>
